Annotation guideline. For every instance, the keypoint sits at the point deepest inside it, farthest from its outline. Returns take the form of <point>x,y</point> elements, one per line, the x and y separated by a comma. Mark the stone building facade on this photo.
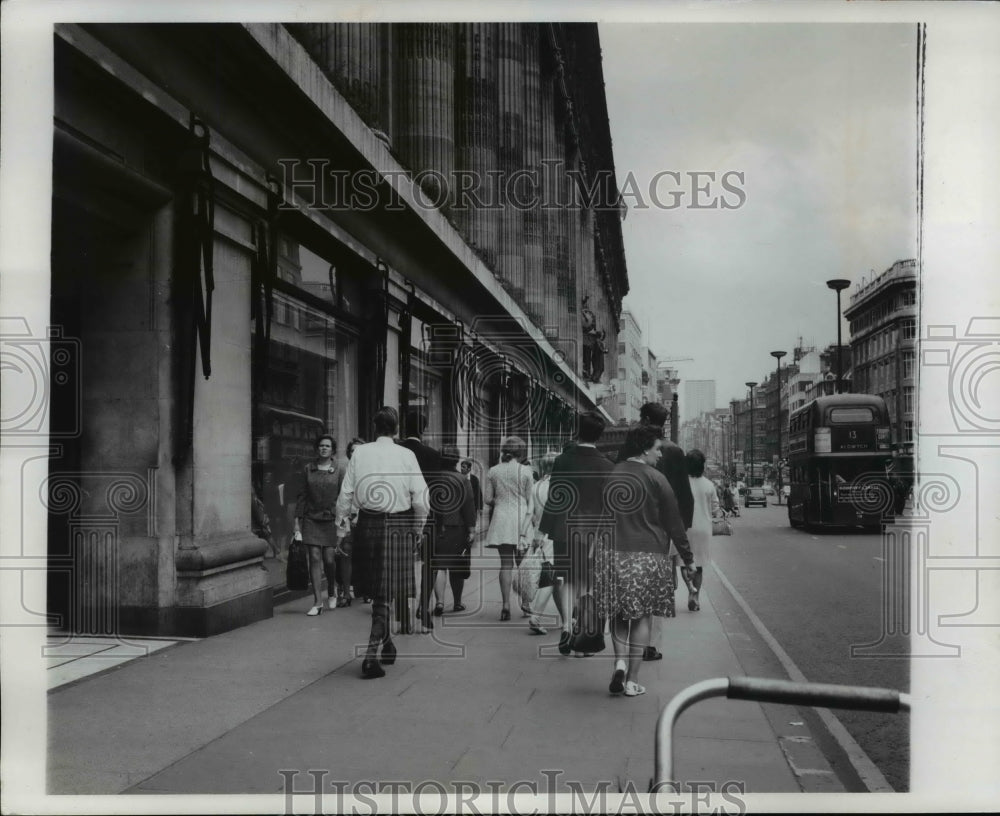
<point>262,232</point>
<point>883,318</point>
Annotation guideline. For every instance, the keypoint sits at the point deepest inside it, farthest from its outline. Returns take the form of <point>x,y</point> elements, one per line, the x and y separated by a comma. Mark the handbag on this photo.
<point>588,627</point>
<point>297,569</point>
<point>721,527</point>
<point>528,572</point>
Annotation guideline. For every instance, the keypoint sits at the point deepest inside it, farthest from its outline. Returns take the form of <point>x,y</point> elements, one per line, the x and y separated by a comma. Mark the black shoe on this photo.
<point>439,610</point>
<point>388,653</point>
<point>370,669</point>
<point>505,614</point>
<point>617,685</point>
<point>458,608</point>
<point>651,653</point>
<point>564,640</point>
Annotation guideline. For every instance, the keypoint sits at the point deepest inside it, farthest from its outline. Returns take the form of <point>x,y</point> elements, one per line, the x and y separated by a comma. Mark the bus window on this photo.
<point>851,416</point>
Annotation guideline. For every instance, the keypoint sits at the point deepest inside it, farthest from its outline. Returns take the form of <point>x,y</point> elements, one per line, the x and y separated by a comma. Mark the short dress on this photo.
<point>508,486</point>
<point>317,505</point>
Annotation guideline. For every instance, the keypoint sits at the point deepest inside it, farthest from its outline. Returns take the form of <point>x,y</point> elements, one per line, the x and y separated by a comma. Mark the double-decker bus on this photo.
<point>839,448</point>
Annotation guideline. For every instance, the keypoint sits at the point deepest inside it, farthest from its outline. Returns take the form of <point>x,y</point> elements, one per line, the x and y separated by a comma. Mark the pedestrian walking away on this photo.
<point>384,481</point>
<point>549,586</point>
<point>430,466</point>
<point>672,465</point>
<point>344,559</point>
<point>636,582</point>
<point>315,519</point>
<point>509,489</point>
<point>454,530</point>
<point>575,514</point>
<point>706,507</point>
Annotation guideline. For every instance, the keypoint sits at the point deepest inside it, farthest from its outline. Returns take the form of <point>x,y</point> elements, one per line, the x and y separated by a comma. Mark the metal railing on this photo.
<point>764,690</point>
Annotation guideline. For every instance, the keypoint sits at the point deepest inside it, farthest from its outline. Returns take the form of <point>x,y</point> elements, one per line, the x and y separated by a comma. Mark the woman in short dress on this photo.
<point>509,487</point>
<point>637,582</point>
<point>315,519</point>
<point>706,507</point>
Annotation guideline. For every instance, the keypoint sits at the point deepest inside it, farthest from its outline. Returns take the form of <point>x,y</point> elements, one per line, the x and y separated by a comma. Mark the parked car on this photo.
<point>755,495</point>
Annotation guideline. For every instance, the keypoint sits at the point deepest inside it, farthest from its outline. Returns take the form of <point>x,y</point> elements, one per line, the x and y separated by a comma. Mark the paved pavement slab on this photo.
<point>476,700</point>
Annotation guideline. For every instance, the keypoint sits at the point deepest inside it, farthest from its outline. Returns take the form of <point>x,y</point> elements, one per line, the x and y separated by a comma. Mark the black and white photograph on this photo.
<point>518,409</point>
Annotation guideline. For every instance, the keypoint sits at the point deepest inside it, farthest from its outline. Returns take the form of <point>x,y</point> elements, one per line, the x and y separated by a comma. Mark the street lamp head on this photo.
<point>777,355</point>
<point>838,283</point>
<point>751,385</point>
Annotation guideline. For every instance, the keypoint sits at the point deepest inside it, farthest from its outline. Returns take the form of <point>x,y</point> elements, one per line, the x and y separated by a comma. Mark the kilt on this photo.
<point>383,557</point>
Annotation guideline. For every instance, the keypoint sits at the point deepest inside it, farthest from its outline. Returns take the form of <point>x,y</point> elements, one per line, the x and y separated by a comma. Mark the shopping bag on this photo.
<point>527,574</point>
<point>721,526</point>
<point>297,569</point>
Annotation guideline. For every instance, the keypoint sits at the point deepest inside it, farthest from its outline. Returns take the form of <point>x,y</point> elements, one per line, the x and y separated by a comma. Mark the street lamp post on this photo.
<point>777,355</point>
<point>736,438</point>
<point>838,285</point>
<point>751,386</point>
<point>674,411</point>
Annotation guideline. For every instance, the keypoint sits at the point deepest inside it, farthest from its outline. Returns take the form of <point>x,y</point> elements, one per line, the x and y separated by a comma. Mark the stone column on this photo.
<point>350,54</point>
<point>424,92</point>
<point>475,210</point>
<point>219,581</point>
<point>534,282</point>
<point>510,125</point>
<point>550,212</point>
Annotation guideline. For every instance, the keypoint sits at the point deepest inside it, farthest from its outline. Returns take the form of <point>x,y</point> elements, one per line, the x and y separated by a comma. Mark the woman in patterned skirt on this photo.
<point>635,582</point>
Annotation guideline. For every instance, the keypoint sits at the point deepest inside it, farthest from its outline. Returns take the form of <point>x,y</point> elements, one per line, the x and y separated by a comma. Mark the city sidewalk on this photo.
<point>478,700</point>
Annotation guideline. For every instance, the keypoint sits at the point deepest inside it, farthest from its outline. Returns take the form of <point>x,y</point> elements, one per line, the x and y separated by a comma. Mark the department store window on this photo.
<point>311,384</point>
<point>909,329</point>
<point>908,399</point>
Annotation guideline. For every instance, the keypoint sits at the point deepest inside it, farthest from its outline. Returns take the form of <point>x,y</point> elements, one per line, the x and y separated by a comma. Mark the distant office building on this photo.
<point>699,398</point>
<point>632,357</point>
<point>883,318</point>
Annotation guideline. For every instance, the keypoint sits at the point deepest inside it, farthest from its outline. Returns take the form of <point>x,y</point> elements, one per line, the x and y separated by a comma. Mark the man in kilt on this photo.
<point>383,480</point>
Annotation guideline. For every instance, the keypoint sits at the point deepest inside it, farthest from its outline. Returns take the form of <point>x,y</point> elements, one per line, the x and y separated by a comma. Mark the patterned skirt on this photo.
<point>629,585</point>
<point>383,557</point>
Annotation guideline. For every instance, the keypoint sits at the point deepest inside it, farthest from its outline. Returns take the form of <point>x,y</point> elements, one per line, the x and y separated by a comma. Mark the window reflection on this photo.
<point>311,385</point>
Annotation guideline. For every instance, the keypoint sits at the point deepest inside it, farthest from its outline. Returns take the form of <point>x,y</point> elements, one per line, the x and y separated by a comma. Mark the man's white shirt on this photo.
<point>383,477</point>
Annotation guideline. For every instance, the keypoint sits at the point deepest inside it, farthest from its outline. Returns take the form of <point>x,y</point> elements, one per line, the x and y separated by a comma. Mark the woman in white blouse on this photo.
<point>508,494</point>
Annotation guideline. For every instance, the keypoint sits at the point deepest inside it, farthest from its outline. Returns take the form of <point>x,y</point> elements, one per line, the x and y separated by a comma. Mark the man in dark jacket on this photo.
<point>576,508</point>
<point>430,466</point>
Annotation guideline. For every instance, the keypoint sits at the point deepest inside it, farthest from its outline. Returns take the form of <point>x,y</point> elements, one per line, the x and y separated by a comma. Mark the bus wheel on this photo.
<point>792,521</point>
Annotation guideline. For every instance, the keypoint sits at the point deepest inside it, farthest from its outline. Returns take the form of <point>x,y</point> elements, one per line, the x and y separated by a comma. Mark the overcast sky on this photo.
<point>820,119</point>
